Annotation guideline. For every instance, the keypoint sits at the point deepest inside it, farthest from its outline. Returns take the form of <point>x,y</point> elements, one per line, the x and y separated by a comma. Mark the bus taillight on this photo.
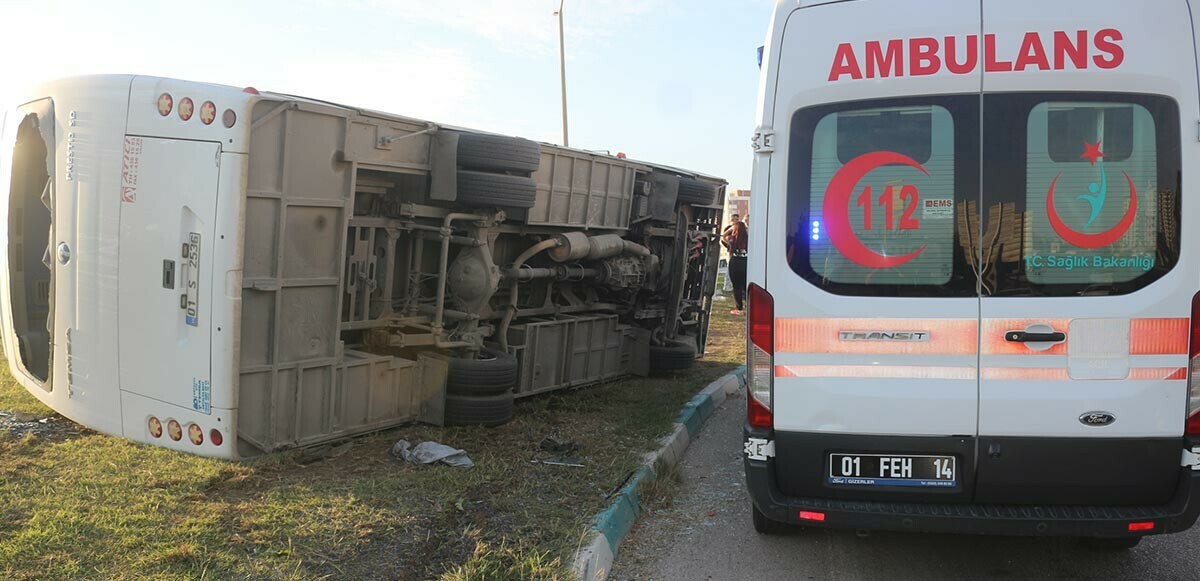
<point>165,104</point>
<point>208,113</point>
<point>195,434</point>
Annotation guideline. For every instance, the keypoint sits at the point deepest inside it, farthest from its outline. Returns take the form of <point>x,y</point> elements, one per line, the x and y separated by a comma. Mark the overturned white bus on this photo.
<point>226,272</point>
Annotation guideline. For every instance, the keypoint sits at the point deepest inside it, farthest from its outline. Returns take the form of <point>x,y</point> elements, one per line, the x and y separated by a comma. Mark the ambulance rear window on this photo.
<point>1067,125</point>
<point>907,129</point>
<point>875,192</point>
<point>1082,193</point>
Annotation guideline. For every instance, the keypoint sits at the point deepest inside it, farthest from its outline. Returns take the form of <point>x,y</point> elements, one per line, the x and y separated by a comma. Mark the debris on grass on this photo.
<point>563,450</point>
<point>49,428</point>
<point>559,446</point>
<point>431,453</point>
<point>619,486</point>
<point>560,461</point>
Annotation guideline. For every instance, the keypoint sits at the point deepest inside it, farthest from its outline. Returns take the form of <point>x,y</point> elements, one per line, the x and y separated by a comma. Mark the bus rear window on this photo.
<point>30,197</point>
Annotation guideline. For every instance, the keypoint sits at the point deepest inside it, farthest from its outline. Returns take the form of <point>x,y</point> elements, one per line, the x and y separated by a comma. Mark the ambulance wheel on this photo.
<point>696,192</point>
<point>491,190</point>
<point>673,356</point>
<point>493,372</point>
<point>766,526</point>
<point>498,153</point>
<point>1114,544</point>
<point>468,410</point>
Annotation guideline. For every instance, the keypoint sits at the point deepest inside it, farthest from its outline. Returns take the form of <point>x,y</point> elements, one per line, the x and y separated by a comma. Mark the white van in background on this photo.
<point>972,308</point>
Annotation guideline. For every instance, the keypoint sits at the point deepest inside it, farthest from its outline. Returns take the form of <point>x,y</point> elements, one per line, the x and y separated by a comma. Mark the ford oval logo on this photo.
<point>64,253</point>
<point>1097,419</point>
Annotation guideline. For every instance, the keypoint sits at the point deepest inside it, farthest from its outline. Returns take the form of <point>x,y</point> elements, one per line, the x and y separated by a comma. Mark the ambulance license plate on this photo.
<point>892,470</point>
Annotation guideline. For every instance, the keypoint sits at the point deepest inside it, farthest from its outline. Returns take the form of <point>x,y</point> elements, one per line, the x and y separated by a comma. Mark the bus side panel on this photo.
<point>298,199</point>
<point>226,283</point>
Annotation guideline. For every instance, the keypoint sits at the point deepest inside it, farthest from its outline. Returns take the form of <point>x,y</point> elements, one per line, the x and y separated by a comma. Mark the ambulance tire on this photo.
<point>492,373</point>
<point>498,153</point>
<point>766,526</point>
<point>491,190</point>
<point>674,356</point>
<point>468,410</point>
<point>696,192</point>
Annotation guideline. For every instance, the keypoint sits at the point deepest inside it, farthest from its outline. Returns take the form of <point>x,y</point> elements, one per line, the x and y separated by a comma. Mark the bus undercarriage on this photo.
<point>398,270</point>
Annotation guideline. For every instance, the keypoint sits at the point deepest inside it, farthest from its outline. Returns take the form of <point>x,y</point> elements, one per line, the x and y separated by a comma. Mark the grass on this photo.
<point>14,397</point>
<point>95,506</point>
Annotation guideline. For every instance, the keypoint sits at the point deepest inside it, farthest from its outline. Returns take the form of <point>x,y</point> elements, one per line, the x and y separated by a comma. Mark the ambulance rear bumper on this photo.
<point>1179,514</point>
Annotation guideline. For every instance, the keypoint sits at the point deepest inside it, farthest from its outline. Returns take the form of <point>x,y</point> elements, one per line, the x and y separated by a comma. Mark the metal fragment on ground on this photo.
<point>566,461</point>
<point>430,453</point>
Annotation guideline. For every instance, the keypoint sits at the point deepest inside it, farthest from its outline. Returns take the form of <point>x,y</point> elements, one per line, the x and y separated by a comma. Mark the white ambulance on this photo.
<point>970,305</point>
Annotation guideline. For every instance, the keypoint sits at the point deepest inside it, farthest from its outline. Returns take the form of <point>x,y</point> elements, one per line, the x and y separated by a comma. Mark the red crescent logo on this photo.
<point>836,209</point>
<point>1099,239</point>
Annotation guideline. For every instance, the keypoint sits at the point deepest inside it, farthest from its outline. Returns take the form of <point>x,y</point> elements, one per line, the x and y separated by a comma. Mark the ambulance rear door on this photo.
<point>1085,292</point>
<point>876,302</point>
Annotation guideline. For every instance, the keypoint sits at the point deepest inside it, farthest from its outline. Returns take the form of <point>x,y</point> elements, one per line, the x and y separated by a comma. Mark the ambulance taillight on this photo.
<point>760,369</point>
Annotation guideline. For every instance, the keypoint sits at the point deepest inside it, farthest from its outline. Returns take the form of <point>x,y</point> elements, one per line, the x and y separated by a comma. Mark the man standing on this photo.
<point>735,239</point>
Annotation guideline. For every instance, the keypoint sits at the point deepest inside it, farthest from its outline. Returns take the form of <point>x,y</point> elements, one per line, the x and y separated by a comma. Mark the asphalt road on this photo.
<point>706,534</point>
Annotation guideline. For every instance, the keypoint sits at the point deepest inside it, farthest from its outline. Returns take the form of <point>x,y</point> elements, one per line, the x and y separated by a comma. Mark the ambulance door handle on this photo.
<point>1028,337</point>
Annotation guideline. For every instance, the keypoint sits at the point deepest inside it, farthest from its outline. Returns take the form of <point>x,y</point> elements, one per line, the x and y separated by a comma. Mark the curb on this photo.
<point>595,557</point>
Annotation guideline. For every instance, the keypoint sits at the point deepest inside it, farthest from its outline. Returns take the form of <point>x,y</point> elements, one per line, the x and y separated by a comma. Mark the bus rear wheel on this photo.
<point>491,410</point>
<point>673,356</point>
<point>491,190</point>
<point>492,372</point>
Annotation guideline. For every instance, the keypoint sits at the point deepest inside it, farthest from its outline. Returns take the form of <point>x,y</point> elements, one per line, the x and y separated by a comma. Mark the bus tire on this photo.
<point>696,192</point>
<point>467,410</point>
<point>674,356</point>
<point>498,153</point>
<point>491,190</point>
<point>492,373</point>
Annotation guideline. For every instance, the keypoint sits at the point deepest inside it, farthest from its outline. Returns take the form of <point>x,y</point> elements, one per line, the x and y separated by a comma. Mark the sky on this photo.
<point>667,81</point>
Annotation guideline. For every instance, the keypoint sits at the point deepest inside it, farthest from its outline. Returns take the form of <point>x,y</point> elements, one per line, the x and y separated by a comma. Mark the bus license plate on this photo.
<point>191,303</point>
<point>892,470</point>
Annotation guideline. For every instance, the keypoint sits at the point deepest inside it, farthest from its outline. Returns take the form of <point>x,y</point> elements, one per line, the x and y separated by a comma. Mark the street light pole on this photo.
<point>562,64</point>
